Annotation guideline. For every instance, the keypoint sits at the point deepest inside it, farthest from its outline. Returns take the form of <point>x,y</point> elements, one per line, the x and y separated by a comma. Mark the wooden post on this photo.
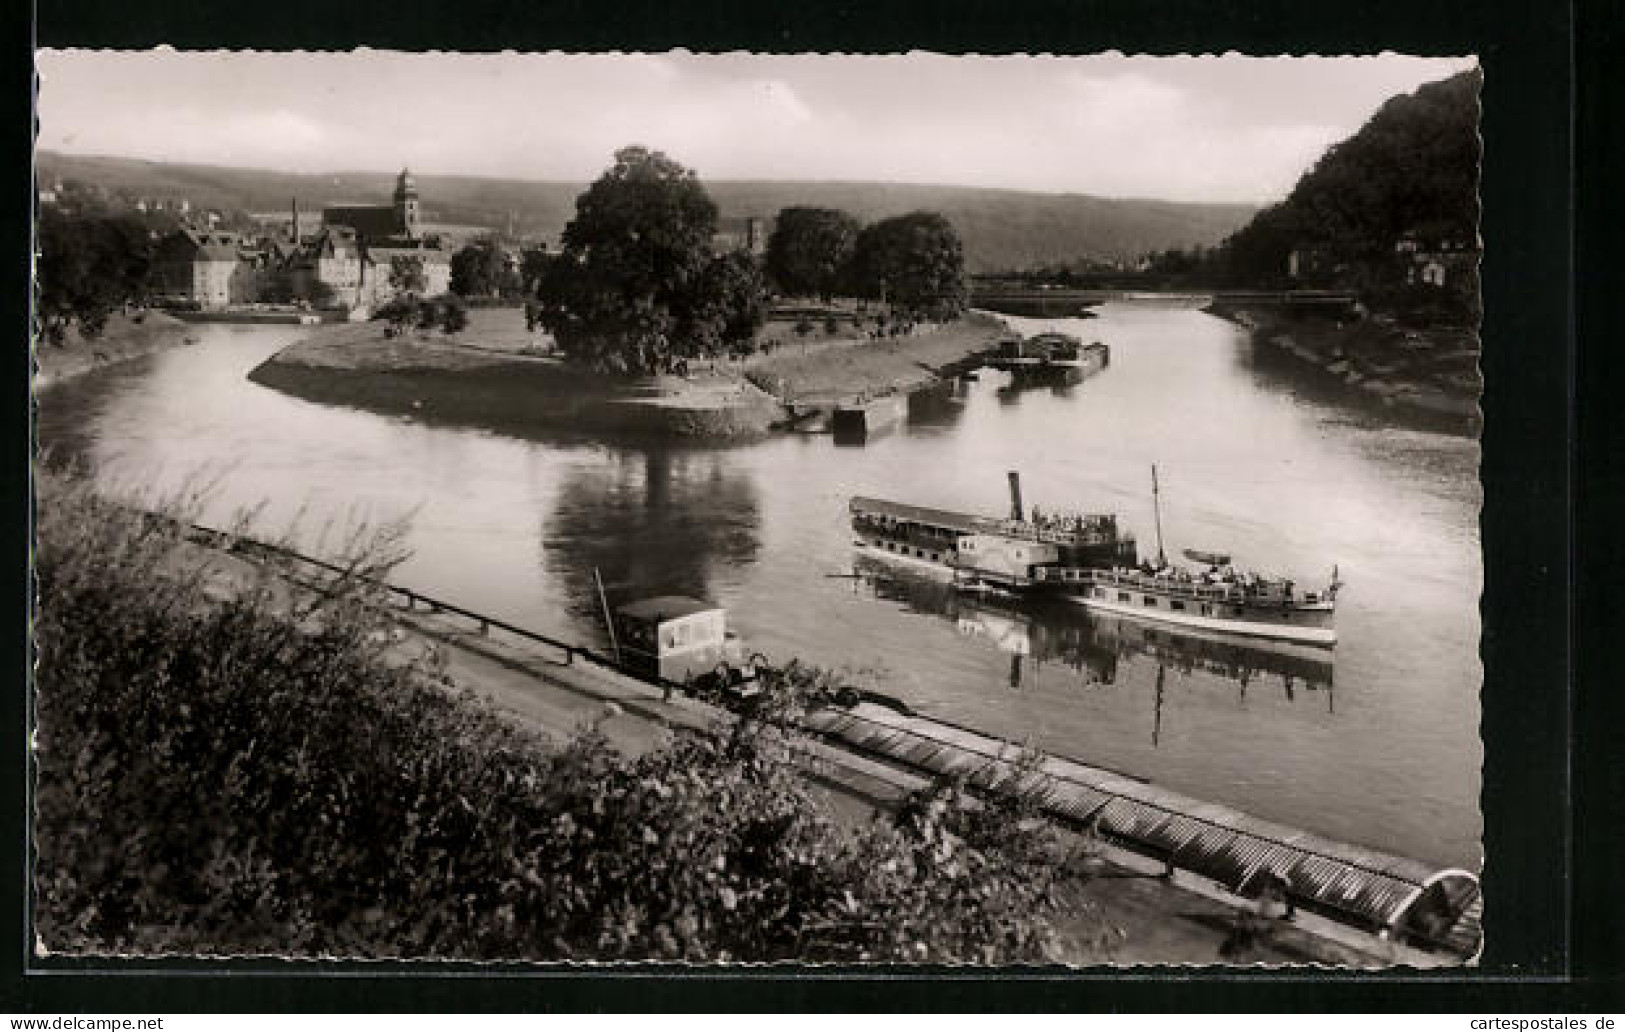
<point>609,621</point>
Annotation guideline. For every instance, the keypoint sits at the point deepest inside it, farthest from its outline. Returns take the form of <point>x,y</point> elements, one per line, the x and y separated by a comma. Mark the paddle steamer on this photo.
<point>1086,559</point>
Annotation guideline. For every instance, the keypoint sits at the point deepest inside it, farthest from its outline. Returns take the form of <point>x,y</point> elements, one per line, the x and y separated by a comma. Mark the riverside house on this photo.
<point>1434,262</point>
<point>206,270</point>
<point>332,259</point>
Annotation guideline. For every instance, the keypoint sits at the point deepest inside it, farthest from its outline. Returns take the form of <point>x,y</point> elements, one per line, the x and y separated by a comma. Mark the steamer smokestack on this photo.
<point>1015,495</point>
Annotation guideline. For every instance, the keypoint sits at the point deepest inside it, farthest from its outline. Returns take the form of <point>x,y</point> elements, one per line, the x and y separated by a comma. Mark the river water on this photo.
<point>1375,742</point>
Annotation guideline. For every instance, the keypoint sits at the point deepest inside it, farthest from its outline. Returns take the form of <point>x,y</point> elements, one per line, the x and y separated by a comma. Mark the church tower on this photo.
<point>406,205</point>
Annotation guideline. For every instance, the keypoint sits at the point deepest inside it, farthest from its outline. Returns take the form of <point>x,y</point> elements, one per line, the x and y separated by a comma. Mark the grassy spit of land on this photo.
<point>497,373</point>
<point>125,337</point>
<point>1429,373</point>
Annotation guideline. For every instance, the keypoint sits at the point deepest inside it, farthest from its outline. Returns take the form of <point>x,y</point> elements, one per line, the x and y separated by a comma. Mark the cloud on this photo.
<point>1128,103</point>
<point>1235,129</point>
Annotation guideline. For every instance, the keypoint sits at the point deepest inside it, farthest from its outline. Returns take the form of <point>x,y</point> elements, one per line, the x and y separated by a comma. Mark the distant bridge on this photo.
<point>1062,301</point>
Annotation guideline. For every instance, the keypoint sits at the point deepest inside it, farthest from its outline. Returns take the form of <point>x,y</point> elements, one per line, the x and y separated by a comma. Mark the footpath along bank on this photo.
<point>872,755</point>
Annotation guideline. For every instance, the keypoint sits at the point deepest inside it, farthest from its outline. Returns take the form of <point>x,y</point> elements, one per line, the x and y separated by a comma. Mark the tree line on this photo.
<point>916,261</point>
<point>87,267</point>
<point>639,287</point>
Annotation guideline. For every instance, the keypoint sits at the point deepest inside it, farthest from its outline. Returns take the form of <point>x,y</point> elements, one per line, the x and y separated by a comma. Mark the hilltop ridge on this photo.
<point>1002,229</point>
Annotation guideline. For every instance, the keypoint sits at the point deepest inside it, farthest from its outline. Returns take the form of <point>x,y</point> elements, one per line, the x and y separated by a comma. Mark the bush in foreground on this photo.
<point>227,777</point>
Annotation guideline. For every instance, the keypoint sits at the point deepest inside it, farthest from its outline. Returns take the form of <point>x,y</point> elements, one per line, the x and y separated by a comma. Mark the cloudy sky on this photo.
<point>1198,129</point>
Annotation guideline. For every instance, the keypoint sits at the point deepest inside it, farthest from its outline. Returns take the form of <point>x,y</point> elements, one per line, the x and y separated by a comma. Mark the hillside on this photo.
<point>1002,229</point>
<point>1411,170</point>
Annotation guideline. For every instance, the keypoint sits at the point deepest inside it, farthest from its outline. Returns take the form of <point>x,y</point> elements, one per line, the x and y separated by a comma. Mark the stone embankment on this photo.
<point>124,338</point>
<point>1428,374</point>
<point>846,371</point>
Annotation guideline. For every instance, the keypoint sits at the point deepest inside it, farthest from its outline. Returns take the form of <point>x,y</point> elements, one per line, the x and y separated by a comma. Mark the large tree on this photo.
<point>533,262</point>
<point>915,261</point>
<point>809,248</point>
<point>636,285</point>
<point>406,275</point>
<point>726,309</point>
<point>89,266</point>
<point>478,270</point>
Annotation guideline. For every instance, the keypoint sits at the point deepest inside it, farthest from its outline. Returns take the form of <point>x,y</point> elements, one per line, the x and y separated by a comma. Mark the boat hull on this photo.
<point>936,570</point>
<point>944,568</point>
<point>1225,625</point>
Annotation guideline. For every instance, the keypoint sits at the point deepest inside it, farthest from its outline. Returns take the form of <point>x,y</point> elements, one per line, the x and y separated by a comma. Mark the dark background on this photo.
<point>1553,776</point>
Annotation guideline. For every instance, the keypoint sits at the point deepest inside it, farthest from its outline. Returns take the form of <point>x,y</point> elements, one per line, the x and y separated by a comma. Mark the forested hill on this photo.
<point>1411,169</point>
<point>1002,229</point>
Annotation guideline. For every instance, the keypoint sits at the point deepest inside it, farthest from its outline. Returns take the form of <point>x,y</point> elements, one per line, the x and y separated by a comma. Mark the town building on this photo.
<point>379,267</point>
<point>346,260</point>
<point>1435,262</point>
<point>206,269</point>
<point>741,233</point>
<point>328,269</point>
<point>385,234</point>
<point>279,223</point>
<point>1313,264</point>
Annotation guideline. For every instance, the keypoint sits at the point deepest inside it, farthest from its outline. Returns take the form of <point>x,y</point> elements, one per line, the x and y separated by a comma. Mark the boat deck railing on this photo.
<point>1232,593</point>
<point>1048,535</point>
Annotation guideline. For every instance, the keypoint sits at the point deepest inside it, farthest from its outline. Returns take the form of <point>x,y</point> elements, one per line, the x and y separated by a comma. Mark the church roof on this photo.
<point>369,220</point>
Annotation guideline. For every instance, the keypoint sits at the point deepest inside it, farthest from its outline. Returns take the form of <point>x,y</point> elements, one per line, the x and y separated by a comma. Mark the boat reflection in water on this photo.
<point>1035,633</point>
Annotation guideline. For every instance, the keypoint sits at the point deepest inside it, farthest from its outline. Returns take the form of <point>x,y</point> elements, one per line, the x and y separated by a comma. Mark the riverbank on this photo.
<point>1430,375</point>
<point>495,374</point>
<point>545,697</point>
<point>845,370</point>
<point>124,338</point>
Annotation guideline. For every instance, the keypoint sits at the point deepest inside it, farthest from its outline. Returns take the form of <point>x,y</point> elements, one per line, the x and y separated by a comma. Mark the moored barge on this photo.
<point>1050,358</point>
